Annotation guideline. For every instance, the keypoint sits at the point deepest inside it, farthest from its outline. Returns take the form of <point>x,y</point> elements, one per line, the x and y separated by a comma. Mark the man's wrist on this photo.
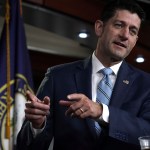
<point>39,126</point>
<point>36,131</point>
<point>105,113</point>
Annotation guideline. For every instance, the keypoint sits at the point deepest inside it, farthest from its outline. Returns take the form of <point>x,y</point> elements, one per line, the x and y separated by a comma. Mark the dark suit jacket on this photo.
<point>129,111</point>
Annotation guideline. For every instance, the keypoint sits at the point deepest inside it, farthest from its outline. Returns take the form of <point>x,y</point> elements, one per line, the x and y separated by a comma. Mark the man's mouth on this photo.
<point>120,44</point>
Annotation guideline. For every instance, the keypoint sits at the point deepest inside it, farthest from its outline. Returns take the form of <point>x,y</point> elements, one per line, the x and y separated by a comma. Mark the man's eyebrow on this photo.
<point>132,26</point>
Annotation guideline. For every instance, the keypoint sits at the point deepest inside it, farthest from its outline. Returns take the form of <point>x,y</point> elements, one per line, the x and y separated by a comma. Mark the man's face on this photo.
<point>119,35</point>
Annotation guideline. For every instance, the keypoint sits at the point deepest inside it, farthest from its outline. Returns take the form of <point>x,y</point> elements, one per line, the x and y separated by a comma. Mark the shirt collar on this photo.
<point>97,65</point>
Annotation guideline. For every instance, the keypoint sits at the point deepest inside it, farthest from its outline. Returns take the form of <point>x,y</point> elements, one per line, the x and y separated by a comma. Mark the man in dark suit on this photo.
<point>68,92</point>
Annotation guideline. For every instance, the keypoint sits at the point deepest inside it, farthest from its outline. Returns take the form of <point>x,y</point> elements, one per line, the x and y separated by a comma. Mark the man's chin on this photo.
<point>117,59</point>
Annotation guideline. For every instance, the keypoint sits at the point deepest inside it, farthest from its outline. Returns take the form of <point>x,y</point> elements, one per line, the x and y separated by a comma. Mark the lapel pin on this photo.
<point>126,81</point>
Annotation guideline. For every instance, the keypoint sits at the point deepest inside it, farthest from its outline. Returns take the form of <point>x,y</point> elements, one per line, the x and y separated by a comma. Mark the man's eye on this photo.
<point>133,32</point>
<point>117,25</point>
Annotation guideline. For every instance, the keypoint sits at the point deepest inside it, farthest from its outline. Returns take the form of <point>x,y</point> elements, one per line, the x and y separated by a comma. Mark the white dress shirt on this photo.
<point>96,77</point>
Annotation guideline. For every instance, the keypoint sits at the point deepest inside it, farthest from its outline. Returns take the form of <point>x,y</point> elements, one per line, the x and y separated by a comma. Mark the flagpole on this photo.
<point>20,7</point>
<point>7,17</point>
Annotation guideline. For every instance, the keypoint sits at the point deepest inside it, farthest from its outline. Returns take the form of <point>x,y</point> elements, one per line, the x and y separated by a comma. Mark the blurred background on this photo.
<point>53,28</point>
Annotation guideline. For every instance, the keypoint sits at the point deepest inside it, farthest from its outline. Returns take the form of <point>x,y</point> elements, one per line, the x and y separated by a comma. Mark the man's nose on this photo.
<point>125,33</point>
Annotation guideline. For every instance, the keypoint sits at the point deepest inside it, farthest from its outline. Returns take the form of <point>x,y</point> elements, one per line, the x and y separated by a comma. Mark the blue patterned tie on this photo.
<point>104,91</point>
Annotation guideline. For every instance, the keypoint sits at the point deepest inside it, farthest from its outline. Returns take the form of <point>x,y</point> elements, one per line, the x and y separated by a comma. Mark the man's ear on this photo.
<point>98,27</point>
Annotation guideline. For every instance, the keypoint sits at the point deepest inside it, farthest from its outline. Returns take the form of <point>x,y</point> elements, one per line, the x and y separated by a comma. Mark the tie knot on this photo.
<point>106,71</point>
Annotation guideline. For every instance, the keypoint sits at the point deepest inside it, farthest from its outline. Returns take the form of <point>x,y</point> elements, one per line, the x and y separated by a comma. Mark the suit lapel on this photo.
<point>83,83</point>
<point>122,86</point>
<point>83,78</point>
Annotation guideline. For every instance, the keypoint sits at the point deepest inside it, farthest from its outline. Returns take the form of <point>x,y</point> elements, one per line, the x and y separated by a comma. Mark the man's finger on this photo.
<point>31,97</point>
<point>75,96</point>
<point>65,103</point>
<point>46,100</point>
